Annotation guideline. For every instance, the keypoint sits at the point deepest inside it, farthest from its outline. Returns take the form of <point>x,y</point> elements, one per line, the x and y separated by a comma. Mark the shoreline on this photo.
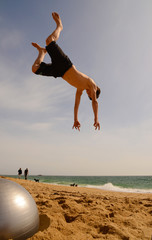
<point>109,186</point>
<point>80,213</point>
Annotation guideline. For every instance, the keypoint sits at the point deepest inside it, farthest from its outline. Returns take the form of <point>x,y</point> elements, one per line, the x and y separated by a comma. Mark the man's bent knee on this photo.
<point>49,40</point>
<point>35,68</point>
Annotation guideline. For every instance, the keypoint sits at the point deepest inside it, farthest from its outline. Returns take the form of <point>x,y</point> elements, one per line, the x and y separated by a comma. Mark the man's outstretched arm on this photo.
<point>95,110</point>
<point>76,124</point>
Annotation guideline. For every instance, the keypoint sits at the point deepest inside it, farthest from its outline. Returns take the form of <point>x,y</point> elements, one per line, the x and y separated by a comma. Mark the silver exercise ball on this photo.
<point>19,218</point>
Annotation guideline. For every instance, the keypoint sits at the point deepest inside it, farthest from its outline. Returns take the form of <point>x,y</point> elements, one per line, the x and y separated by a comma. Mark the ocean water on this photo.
<point>136,184</point>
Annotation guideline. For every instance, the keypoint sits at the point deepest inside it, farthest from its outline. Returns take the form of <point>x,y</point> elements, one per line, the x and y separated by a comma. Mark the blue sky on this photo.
<point>110,41</point>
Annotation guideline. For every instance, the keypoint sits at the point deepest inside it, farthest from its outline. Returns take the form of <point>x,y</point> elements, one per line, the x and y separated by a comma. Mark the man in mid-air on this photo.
<point>61,66</point>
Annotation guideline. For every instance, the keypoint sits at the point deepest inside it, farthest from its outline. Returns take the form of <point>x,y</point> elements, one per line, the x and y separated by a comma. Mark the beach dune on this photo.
<point>69,213</point>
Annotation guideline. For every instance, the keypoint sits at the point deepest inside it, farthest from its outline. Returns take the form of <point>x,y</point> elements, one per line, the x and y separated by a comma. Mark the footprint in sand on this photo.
<point>44,222</point>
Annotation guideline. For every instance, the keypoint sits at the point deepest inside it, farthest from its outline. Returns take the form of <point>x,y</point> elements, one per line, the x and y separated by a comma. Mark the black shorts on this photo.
<point>60,62</point>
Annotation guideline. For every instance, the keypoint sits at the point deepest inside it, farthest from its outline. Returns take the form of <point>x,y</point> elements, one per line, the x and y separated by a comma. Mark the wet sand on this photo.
<point>75,213</point>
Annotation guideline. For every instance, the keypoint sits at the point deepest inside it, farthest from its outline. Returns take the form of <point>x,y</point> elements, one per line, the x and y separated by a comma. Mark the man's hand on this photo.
<point>96,125</point>
<point>76,125</point>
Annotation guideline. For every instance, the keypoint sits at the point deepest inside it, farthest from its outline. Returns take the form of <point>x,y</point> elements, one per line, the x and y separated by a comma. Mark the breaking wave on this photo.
<point>111,187</point>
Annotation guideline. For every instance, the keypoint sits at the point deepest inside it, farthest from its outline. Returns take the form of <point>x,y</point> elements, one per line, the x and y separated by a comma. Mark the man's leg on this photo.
<point>55,35</point>
<point>41,55</point>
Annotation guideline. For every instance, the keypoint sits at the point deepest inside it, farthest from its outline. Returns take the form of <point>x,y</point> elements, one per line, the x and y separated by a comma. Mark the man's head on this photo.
<point>98,91</point>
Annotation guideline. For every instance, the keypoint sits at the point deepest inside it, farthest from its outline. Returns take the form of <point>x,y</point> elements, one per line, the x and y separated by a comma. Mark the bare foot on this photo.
<point>38,47</point>
<point>57,19</point>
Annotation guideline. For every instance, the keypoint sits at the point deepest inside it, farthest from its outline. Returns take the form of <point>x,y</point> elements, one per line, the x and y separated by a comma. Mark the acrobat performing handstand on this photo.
<point>61,66</point>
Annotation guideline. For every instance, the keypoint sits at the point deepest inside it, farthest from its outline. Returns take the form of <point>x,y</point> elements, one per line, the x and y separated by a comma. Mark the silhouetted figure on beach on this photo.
<point>61,66</point>
<point>26,173</point>
<point>19,173</point>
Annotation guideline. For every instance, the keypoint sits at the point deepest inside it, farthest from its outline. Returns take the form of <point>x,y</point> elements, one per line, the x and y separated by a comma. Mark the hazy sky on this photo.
<point>110,41</point>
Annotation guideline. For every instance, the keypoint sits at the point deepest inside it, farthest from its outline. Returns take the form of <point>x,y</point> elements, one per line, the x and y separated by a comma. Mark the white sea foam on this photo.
<point>111,187</point>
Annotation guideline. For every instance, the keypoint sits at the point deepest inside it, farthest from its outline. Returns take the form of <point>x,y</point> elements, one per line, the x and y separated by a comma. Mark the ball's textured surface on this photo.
<point>19,218</point>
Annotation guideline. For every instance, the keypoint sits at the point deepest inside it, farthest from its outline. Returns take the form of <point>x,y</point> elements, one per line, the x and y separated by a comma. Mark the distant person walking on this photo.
<point>19,173</point>
<point>26,173</point>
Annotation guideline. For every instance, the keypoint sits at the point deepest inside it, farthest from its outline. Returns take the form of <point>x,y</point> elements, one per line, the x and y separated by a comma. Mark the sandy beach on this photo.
<point>76,213</point>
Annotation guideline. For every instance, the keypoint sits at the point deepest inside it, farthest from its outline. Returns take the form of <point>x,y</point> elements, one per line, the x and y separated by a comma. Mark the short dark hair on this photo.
<point>97,93</point>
